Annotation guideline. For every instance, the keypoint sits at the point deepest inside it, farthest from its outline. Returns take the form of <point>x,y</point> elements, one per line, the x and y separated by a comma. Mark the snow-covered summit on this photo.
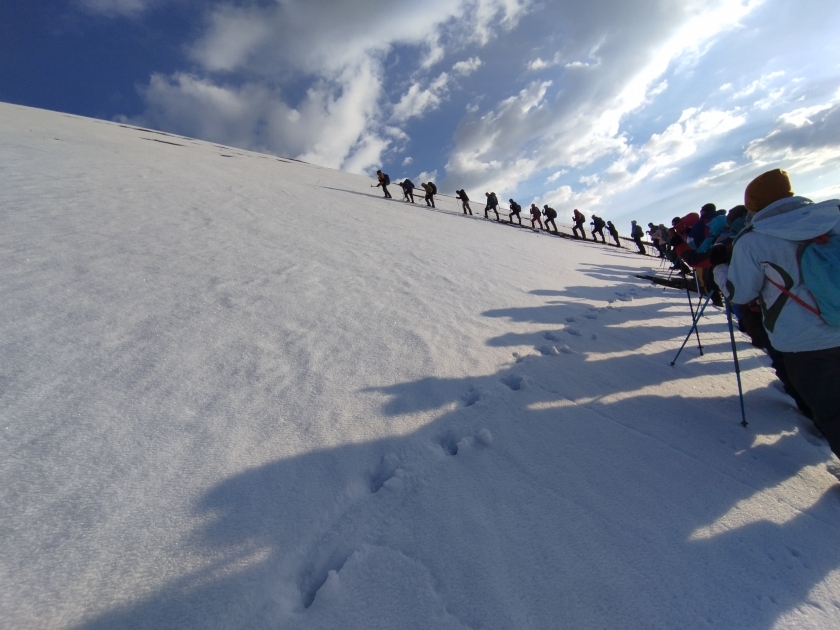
<point>238,391</point>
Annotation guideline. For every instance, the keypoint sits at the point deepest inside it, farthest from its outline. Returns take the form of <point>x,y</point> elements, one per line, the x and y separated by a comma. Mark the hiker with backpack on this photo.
<point>535,216</point>
<point>431,191</point>
<point>789,258</point>
<point>598,228</point>
<point>384,181</point>
<point>636,233</point>
<point>515,209</point>
<point>408,190</point>
<point>578,218</point>
<point>550,215</point>
<point>613,232</point>
<point>492,204</point>
<point>465,201</point>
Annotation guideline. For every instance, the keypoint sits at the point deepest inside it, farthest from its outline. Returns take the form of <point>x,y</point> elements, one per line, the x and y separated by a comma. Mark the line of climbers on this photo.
<point>776,260</point>
<point>492,204</point>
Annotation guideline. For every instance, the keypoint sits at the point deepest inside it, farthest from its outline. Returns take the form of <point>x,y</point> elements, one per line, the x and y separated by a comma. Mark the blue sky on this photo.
<point>644,109</point>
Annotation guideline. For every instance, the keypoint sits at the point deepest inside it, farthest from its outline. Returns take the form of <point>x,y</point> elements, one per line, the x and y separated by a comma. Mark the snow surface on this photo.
<point>243,392</point>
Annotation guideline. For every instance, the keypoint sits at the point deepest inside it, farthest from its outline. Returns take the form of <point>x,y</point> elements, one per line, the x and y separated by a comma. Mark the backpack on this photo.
<point>579,218</point>
<point>387,179</point>
<point>408,184</point>
<point>551,213</point>
<point>433,187</point>
<point>638,232</point>
<point>819,264</point>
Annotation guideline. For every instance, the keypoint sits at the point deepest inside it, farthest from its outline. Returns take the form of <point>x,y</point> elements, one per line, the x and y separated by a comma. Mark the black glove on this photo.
<point>718,255</point>
<point>676,240</point>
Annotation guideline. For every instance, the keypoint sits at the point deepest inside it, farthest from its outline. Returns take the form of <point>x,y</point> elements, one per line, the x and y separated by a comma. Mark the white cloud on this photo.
<point>417,101</point>
<point>339,120</point>
<point>329,128</point>
<point>804,139</point>
<point>467,67</point>
<point>759,84</point>
<point>624,73</point>
<point>407,161</point>
<point>723,167</point>
<point>556,175</point>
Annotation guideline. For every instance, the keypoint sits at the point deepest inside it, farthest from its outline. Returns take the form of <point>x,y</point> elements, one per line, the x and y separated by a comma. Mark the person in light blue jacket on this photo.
<point>765,264</point>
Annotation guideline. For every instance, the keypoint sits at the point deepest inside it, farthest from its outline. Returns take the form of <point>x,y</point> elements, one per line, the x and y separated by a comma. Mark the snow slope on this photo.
<point>243,392</point>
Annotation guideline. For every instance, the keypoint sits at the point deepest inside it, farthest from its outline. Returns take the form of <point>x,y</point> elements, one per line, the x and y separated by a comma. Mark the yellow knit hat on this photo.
<point>767,188</point>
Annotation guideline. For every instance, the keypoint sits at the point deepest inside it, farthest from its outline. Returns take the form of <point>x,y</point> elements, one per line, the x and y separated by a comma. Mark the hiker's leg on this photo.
<point>815,376</point>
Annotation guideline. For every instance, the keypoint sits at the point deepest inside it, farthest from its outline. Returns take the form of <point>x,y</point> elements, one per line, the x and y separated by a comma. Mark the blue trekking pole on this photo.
<point>692,329</point>
<point>737,366</point>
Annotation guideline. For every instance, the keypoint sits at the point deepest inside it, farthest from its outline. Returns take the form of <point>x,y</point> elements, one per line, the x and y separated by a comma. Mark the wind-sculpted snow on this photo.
<point>244,392</point>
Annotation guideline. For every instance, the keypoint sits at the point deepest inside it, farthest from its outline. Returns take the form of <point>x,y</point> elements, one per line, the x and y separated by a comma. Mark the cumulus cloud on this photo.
<point>804,139</point>
<point>580,123</point>
<point>467,67</point>
<point>417,101</point>
<point>326,128</point>
<point>247,54</point>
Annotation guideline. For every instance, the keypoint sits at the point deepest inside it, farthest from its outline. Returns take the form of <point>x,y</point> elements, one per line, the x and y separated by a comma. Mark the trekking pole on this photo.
<point>691,307</point>
<point>691,330</point>
<point>737,365</point>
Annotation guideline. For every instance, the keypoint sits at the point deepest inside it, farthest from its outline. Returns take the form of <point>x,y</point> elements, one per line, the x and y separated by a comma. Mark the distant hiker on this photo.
<point>465,201</point>
<point>535,216</point>
<point>550,215</point>
<point>598,228</point>
<point>431,191</point>
<point>515,209</point>
<point>384,181</point>
<point>788,258</point>
<point>613,232</point>
<point>408,190</point>
<point>663,239</point>
<point>653,232</point>
<point>492,204</point>
<point>636,232</point>
<point>578,218</point>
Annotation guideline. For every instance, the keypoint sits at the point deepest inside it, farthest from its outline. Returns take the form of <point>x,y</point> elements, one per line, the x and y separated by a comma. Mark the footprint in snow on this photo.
<point>547,350</point>
<point>573,331</point>
<point>571,319</point>
<point>514,381</point>
<point>387,468</point>
<point>452,444</point>
<point>470,397</point>
<point>591,316</point>
<point>551,336</point>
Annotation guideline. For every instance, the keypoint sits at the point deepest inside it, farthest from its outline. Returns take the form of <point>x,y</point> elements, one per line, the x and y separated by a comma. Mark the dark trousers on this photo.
<point>601,232</point>
<point>515,214</point>
<point>493,208</point>
<point>466,207</point>
<point>640,245</point>
<point>816,376</point>
<point>551,221</point>
<point>430,201</point>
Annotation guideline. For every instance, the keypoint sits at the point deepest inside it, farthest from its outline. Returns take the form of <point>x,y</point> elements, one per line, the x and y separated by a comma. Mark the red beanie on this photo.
<point>767,188</point>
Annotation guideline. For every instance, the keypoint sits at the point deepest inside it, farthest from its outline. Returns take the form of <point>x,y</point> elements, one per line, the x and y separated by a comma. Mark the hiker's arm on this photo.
<point>745,274</point>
